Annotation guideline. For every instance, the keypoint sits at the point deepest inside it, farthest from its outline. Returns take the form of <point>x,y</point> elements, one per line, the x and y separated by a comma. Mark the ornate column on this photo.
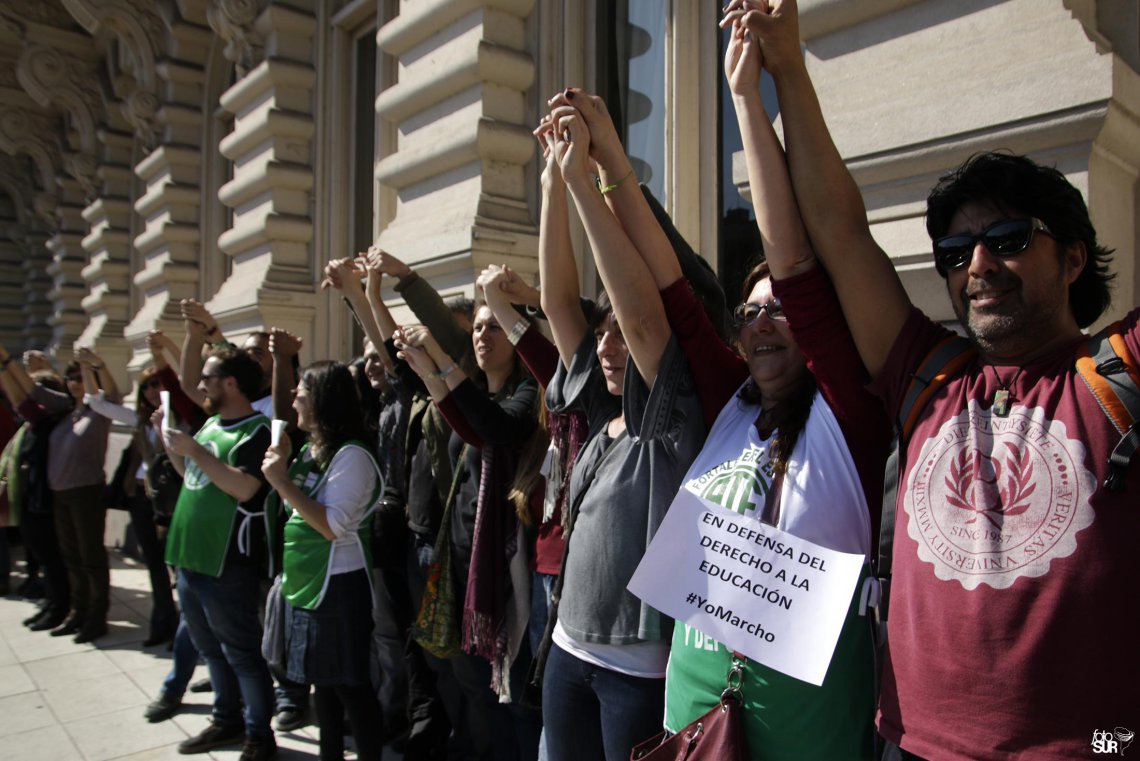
<point>464,140</point>
<point>272,279</point>
<point>169,205</point>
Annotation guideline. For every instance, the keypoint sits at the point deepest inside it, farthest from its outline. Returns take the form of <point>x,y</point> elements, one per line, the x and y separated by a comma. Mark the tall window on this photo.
<point>631,79</point>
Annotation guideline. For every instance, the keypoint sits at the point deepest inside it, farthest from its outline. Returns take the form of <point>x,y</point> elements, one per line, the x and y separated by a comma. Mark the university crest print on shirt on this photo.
<point>992,499</point>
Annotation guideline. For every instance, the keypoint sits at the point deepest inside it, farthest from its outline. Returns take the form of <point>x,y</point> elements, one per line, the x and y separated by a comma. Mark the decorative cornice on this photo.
<point>233,21</point>
<point>22,131</point>
<point>52,78</point>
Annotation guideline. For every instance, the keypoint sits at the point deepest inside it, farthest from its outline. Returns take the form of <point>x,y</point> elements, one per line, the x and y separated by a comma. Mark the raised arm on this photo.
<point>427,305</point>
<point>874,302</point>
<point>96,376</point>
<point>190,364</point>
<point>786,246</point>
<point>502,289</point>
<point>620,189</point>
<point>557,272</point>
<point>632,290</point>
<point>283,346</point>
<point>346,275</point>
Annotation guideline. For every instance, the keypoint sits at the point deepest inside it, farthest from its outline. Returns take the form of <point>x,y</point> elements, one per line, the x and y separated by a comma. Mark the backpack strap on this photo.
<point>1114,381</point>
<point>945,359</point>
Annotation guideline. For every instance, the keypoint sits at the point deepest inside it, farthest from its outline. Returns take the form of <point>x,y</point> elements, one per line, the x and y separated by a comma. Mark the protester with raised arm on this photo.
<point>494,417</point>
<point>1014,529</point>
<point>603,688</point>
<point>789,410</point>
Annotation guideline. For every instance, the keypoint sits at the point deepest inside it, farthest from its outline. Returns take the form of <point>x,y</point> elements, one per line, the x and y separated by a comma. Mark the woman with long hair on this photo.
<point>329,491</point>
<point>792,423</point>
<point>603,687</point>
<point>494,416</point>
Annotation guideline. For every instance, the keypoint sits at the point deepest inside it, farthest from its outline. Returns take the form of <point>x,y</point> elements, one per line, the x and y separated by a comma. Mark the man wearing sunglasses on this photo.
<point>1013,623</point>
<point>218,543</point>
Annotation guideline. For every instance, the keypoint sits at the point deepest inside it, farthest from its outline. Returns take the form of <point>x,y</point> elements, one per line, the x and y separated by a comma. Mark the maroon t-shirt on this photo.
<point>1014,624</point>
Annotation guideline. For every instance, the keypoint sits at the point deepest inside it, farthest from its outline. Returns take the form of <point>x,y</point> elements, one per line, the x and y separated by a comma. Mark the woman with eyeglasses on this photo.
<point>798,440</point>
<point>330,490</point>
<point>144,449</point>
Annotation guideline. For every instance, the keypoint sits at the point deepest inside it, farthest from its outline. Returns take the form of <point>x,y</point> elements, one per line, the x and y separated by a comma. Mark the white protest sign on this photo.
<point>776,598</point>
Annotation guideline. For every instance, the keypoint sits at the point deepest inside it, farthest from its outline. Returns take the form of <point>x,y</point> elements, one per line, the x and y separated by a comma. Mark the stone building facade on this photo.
<point>153,150</point>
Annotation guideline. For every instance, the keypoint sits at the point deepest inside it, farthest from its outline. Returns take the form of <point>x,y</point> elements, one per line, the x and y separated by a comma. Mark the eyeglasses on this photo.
<point>153,383</point>
<point>746,314</point>
<point>1006,238</point>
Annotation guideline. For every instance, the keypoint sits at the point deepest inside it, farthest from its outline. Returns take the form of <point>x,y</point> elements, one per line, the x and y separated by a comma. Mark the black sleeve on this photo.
<point>248,460</point>
<point>508,422</point>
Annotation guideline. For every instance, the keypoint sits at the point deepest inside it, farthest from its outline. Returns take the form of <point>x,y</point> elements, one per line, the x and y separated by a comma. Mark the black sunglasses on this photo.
<point>1006,238</point>
<point>746,314</point>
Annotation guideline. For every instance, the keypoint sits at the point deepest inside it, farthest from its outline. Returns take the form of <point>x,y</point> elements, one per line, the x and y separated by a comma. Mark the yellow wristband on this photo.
<point>606,189</point>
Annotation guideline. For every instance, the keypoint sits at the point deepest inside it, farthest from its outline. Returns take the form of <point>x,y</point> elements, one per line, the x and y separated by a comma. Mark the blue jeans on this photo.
<point>592,712</point>
<point>183,663</point>
<point>222,614</point>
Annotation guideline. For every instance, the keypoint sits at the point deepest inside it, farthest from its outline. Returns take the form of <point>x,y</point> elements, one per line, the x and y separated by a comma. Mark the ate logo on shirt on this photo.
<point>992,499</point>
<point>740,485</point>
<point>195,479</point>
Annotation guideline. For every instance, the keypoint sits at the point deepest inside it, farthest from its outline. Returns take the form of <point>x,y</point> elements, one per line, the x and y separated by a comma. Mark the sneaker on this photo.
<point>213,736</point>
<point>162,709</point>
<point>289,719</point>
<point>202,685</point>
<point>258,749</point>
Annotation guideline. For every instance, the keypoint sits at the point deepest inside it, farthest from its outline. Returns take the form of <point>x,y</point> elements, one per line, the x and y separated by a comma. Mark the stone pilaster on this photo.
<point>37,309</point>
<point>464,140</point>
<point>68,259</point>
<point>168,242</point>
<point>272,279</point>
<point>109,246</point>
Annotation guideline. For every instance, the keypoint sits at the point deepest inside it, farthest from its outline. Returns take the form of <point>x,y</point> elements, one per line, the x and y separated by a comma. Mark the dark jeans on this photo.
<point>359,702</point>
<point>163,614</point>
<point>182,664</point>
<point>592,712</point>
<point>38,531</point>
<point>80,519</point>
<point>503,731</point>
<point>222,613</point>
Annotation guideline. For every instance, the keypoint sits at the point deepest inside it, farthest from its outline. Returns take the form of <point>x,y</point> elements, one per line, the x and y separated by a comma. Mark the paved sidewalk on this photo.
<point>63,701</point>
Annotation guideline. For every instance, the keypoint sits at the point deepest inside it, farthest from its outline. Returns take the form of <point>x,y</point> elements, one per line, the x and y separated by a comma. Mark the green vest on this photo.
<point>203,520</point>
<point>307,555</point>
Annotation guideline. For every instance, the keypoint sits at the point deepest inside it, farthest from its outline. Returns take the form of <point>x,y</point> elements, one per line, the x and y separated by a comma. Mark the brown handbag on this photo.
<point>718,735</point>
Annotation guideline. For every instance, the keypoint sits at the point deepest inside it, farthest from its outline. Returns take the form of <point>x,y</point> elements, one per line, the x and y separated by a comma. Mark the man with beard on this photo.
<point>1014,550</point>
<point>217,541</point>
